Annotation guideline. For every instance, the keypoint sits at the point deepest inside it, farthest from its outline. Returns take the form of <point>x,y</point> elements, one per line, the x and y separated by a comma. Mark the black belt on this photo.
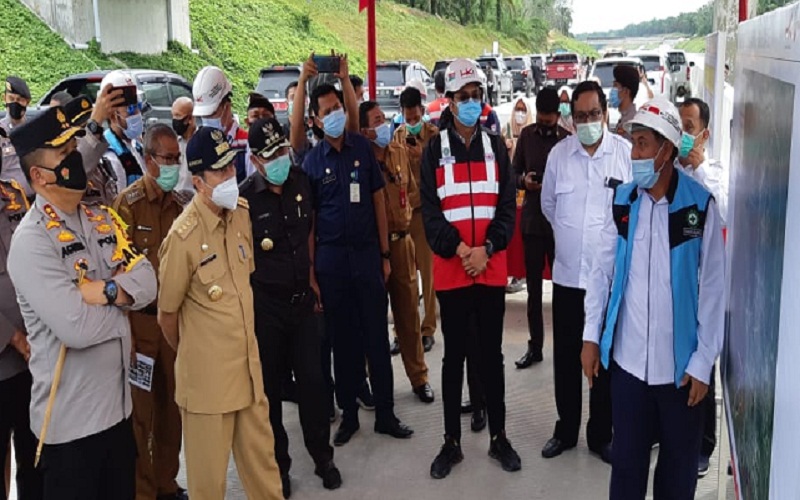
<point>397,236</point>
<point>150,310</point>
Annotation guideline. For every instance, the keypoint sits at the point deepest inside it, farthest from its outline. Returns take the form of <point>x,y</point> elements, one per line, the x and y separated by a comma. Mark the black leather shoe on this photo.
<point>604,452</point>
<point>478,420</point>
<point>393,427</point>
<point>466,408</point>
<point>286,483</point>
<point>331,477</point>
<point>395,349</point>
<point>427,343</point>
<point>448,456</point>
<point>500,449</point>
<point>529,358</point>
<point>424,393</point>
<point>345,433</point>
<point>554,448</point>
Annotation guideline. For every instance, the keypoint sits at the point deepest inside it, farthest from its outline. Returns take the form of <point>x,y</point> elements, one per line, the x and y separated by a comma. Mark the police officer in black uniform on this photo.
<point>285,294</point>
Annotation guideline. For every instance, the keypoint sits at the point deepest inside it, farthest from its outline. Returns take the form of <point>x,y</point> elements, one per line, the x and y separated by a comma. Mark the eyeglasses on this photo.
<point>171,159</point>
<point>594,115</point>
<point>463,96</point>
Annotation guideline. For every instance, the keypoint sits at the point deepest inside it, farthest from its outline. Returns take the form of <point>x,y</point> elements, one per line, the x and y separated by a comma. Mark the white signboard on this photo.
<point>714,88</point>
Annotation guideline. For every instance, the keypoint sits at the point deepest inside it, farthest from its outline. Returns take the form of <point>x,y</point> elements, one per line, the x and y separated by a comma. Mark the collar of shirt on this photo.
<point>208,218</point>
<point>327,147</point>
<point>260,184</point>
<point>454,132</point>
<point>151,189</point>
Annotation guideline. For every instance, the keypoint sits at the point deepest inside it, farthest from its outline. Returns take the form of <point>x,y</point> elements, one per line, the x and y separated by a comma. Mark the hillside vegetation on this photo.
<point>242,36</point>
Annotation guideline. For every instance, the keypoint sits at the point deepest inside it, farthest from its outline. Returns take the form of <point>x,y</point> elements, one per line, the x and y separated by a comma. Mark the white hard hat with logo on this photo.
<point>661,116</point>
<point>210,87</point>
<point>460,73</point>
<point>118,78</point>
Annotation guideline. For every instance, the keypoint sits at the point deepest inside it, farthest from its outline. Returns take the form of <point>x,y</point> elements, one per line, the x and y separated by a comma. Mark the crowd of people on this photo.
<point>171,287</point>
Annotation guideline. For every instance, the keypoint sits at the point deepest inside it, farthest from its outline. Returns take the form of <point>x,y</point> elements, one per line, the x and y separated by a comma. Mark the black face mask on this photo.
<point>15,110</point>
<point>546,130</point>
<point>71,174</point>
<point>179,126</point>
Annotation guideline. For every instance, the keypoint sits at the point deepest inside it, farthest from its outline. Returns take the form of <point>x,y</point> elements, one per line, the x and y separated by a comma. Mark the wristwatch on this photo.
<point>489,248</point>
<point>386,255</point>
<point>110,291</point>
<point>94,128</point>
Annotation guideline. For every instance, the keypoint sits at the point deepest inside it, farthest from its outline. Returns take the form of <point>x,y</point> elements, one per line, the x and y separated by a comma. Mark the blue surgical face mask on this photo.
<point>613,98</point>
<point>277,171</point>
<point>333,123</point>
<point>383,135</point>
<point>565,109</point>
<point>212,122</point>
<point>589,133</point>
<point>134,126</point>
<point>644,172</point>
<point>469,112</point>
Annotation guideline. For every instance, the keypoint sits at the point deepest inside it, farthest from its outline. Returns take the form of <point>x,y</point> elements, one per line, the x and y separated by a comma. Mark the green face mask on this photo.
<point>414,129</point>
<point>168,177</point>
<point>565,109</point>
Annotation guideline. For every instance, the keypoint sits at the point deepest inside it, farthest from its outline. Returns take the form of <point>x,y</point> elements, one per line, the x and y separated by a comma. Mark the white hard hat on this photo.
<point>118,78</point>
<point>460,73</point>
<point>567,89</point>
<point>661,116</point>
<point>419,86</point>
<point>210,87</point>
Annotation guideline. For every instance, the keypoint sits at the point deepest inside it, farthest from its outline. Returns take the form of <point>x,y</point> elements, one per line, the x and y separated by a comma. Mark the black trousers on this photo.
<point>288,339</point>
<point>536,248</point>
<point>488,304</point>
<point>98,467</point>
<point>710,424</point>
<point>477,398</point>
<point>356,320</point>
<point>15,402</point>
<point>568,321</point>
<point>642,411</point>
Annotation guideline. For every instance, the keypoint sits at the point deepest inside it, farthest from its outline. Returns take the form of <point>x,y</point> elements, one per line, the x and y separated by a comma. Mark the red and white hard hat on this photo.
<point>460,73</point>
<point>661,116</point>
<point>210,87</point>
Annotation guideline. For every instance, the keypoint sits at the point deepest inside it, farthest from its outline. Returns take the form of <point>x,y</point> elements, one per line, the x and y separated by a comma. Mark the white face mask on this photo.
<point>226,195</point>
<point>519,117</point>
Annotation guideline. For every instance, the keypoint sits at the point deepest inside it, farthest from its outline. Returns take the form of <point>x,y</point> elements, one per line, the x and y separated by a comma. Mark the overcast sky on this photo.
<point>603,15</point>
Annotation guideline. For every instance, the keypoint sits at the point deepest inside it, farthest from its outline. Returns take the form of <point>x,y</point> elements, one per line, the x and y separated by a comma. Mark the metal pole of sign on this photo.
<point>372,56</point>
<point>742,10</point>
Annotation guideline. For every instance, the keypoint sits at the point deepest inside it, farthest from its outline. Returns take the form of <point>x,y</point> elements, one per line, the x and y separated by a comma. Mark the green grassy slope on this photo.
<point>693,45</point>
<point>242,36</point>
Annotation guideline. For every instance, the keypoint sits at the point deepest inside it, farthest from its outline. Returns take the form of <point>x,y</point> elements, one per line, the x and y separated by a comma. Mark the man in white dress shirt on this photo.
<point>661,255</point>
<point>582,172</point>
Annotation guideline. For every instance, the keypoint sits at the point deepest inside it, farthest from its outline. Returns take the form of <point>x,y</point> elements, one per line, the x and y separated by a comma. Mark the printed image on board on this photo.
<point>760,179</point>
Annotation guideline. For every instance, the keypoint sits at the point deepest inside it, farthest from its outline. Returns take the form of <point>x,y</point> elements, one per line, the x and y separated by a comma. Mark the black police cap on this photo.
<point>266,136</point>
<point>17,85</point>
<point>51,129</point>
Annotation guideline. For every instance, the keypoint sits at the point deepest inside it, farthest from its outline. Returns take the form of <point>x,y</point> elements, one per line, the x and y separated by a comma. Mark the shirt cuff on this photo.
<point>700,368</point>
<point>591,334</point>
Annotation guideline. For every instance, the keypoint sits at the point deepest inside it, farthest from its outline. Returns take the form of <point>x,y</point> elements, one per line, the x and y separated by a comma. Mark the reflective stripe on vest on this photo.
<point>462,198</point>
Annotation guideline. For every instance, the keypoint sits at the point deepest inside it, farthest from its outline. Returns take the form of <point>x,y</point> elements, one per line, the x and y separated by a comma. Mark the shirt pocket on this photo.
<point>563,192</point>
<point>212,271</point>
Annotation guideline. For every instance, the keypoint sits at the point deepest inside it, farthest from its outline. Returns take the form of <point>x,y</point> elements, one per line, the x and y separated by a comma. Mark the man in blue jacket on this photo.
<point>662,257</point>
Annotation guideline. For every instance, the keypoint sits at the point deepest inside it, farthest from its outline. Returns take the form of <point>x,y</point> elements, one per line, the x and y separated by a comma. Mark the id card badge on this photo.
<point>355,193</point>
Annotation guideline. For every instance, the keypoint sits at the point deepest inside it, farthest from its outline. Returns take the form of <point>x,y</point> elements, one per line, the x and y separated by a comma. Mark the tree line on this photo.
<point>697,23</point>
<point>526,20</point>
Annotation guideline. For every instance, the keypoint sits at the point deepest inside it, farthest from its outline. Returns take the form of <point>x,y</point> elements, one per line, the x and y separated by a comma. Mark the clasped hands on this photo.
<point>474,259</point>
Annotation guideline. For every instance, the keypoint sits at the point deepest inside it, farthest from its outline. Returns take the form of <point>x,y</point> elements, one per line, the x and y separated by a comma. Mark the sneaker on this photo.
<point>501,450</point>
<point>449,455</point>
<point>365,399</point>
<point>702,466</point>
<point>515,286</point>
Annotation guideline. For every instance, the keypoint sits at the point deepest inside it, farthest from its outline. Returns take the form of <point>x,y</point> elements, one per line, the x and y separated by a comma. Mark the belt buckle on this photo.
<point>394,237</point>
<point>297,297</point>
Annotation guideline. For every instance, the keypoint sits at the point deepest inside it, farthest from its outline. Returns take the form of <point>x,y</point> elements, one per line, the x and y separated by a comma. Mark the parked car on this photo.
<point>603,70</point>
<point>563,69</point>
<point>521,74</point>
<point>272,83</point>
<point>498,79</point>
<point>392,78</point>
<point>656,65</point>
<point>614,53</point>
<point>160,89</point>
<point>681,72</point>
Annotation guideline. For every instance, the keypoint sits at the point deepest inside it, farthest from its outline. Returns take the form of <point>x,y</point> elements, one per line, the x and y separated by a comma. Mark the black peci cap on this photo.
<point>266,137</point>
<point>208,149</point>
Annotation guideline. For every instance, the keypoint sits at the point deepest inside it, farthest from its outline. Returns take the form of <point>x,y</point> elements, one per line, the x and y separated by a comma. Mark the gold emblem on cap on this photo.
<point>357,164</point>
<point>204,247</point>
<point>215,293</point>
<point>267,244</point>
<point>60,116</point>
<point>84,103</point>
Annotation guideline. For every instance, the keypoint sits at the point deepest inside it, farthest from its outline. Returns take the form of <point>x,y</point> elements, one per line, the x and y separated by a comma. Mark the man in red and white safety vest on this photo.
<point>468,207</point>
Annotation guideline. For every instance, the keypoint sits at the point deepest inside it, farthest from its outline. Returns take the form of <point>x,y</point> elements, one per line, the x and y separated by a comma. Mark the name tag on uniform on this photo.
<point>208,259</point>
<point>355,192</point>
<point>447,160</point>
<point>144,228</point>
